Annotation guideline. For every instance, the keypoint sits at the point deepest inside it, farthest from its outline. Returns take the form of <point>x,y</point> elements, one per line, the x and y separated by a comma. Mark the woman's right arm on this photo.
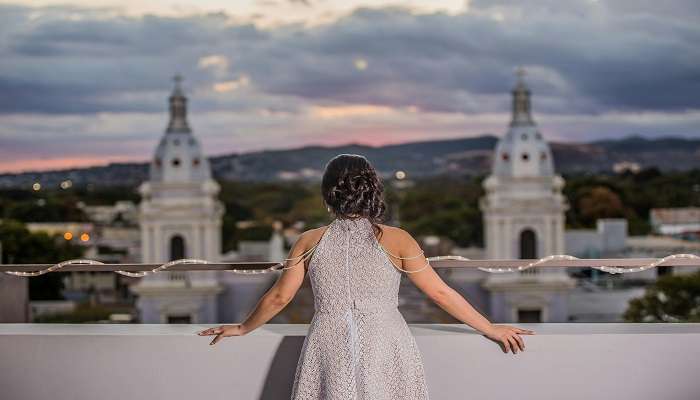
<point>430,283</point>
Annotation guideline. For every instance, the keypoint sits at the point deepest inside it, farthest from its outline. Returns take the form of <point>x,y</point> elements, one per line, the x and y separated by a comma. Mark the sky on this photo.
<point>86,82</point>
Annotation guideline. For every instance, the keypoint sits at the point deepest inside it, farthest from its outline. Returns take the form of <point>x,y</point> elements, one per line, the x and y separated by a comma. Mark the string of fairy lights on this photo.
<point>560,257</point>
<point>280,266</point>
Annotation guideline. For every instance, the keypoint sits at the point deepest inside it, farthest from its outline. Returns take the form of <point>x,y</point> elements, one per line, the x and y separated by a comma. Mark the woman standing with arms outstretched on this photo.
<point>358,344</point>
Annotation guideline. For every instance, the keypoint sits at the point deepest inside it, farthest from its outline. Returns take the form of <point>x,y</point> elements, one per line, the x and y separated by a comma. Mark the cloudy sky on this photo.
<point>86,82</point>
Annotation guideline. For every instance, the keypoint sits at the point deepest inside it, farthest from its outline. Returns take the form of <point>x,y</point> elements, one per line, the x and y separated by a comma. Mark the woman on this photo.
<point>358,342</point>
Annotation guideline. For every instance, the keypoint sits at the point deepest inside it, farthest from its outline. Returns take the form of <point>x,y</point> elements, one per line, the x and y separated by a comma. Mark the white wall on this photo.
<point>563,361</point>
<point>14,306</point>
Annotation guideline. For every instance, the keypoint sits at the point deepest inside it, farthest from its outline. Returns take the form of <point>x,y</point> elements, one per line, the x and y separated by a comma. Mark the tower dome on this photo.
<point>178,157</point>
<point>522,151</point>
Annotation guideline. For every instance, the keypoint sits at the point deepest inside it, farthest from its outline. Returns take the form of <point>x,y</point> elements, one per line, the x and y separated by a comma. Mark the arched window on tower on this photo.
<point>177,247</point>
<point>528,248</point>
<point>177,252</point>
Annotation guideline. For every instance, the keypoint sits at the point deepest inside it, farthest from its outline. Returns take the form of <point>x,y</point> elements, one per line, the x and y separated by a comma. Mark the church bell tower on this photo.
<point>523,212</point>
<point>180,217</point>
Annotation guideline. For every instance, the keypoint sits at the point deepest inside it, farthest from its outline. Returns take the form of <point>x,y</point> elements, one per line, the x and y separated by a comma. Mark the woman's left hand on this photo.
<point>509,336</point>
<point>223,331</point>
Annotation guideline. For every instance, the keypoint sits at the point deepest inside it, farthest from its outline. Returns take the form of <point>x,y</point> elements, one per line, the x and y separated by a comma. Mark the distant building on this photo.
<point>121,213</point>
<point>654,246</point>
<point>50,307</point>
<point>610,236</point>
<point>79,285</point>
<point>180,217</point>
<point>259,250</point>
<point>675,221</point>
<point>14,307</point>
<point>604,298</point>
<point>244,291</point>
<point>81,232</point>
<point>626,166</point>
<point>523,212</point>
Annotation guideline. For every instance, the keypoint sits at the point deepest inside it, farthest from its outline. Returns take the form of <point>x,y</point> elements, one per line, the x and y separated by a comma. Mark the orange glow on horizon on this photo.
<point>358,110</point>
<point>60,163</point>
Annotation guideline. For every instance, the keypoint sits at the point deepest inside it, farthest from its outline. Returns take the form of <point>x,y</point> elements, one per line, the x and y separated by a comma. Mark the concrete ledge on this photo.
<point>562,361</point>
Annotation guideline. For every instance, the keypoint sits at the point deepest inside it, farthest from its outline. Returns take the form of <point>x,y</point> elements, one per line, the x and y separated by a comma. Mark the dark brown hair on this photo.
<point>351,186</point>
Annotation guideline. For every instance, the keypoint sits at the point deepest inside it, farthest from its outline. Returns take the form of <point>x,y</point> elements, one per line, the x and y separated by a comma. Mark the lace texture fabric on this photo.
<point>359,346</point>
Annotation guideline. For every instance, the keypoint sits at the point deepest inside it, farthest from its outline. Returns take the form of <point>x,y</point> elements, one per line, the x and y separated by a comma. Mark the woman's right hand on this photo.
<point>509,336</point>
<point>223,331</point>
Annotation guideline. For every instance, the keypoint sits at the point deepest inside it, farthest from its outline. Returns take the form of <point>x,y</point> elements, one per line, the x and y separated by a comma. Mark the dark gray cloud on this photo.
<point>630,62</point>
<point>585,57</point>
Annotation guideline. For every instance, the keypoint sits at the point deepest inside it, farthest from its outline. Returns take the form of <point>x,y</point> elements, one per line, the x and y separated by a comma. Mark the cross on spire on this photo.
<point>521,101</point>
<point>178,108</point>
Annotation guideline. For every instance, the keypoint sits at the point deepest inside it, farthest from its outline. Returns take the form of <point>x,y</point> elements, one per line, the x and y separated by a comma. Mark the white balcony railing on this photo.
<point>562,361</point>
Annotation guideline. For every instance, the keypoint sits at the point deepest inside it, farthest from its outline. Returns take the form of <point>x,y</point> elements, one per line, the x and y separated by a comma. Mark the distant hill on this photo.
<point>466,156</point>
<point>416,158</point>
<point>667,154</point>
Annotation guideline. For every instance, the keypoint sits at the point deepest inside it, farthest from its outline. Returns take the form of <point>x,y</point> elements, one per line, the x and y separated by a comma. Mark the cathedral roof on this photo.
<point>522,151</point>
<point>178,157</point>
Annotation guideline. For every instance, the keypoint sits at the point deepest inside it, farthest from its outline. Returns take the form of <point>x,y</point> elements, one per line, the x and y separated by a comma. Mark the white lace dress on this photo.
<point>358,346</point>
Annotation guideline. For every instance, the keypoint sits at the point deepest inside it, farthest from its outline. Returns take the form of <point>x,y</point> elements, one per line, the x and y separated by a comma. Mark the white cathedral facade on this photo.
<point>523,211</point>
<point>179,217</point>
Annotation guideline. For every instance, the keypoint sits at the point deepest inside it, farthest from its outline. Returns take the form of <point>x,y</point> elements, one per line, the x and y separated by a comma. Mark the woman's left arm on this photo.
<point>276,298</point>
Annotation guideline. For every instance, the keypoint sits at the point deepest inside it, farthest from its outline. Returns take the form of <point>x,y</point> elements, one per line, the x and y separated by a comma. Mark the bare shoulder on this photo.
<point>311,236</point>
<point>396,236</point>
